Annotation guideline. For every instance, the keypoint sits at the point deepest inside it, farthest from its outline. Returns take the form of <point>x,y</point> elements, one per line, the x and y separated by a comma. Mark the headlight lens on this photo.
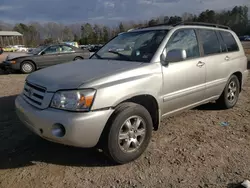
<point>74,100</point>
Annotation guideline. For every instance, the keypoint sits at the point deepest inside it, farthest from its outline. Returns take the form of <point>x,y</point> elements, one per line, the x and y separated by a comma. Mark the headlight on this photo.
<point>74,100</point>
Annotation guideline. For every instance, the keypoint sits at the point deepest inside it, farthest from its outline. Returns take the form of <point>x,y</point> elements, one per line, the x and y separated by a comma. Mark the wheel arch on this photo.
<point>238,74</point>
<point>78,57</point>
<point>150,103</point>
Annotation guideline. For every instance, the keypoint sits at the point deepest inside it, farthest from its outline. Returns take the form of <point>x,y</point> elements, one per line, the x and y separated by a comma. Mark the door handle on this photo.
<point>200,64</point>
<point>227,58</point>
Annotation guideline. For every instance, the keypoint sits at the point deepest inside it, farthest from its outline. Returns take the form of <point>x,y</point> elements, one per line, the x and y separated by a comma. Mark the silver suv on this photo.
<point>117,97</point>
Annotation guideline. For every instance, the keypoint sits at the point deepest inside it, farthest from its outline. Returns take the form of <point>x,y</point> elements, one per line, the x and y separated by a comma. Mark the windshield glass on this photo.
<point>132,46</point>
<point>38,49</point>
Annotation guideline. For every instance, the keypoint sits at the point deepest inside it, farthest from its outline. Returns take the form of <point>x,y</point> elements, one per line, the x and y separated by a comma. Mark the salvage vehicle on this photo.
<point>43,56</point>
<point>115,99</point>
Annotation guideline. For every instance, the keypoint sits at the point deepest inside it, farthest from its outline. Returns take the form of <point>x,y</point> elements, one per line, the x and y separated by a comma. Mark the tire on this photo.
<point>78,58</point>
<point>230,95</point>
<point>119,141</point>
<point>27,67</point>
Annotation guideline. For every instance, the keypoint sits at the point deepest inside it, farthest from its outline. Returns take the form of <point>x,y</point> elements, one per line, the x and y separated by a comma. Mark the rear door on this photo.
<point>67,53</point>
<point>50,56</point>
<point>215,56</point>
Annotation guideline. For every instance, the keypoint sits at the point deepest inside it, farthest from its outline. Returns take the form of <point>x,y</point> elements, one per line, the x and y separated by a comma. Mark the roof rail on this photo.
<point>185,23</point>
<point>203,24</point>
<point>156,25</point>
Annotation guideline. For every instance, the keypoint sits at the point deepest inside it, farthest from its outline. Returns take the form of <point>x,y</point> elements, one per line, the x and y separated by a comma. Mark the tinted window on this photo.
<point>185,40</point>
<point>52,50</point>
<point>209,42</point>
<point>66,49</point>
<point>229,41</point>
<point>223,46</point>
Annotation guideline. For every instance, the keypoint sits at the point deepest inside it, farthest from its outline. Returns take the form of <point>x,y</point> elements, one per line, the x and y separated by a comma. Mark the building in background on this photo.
<point>8,38</point>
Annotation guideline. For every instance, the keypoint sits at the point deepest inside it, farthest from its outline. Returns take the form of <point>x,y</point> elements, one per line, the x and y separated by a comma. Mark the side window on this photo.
<point>210,42</point>
<point>223,46</point>
<point>52,50</point>
<point>230,42</point>
<point>67,49</point>
<point>184,39</point>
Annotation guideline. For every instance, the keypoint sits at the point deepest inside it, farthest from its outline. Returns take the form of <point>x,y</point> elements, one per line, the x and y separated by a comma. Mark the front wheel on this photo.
<point>230,95</point>
<point>27,67</point>
<point>129,133</point>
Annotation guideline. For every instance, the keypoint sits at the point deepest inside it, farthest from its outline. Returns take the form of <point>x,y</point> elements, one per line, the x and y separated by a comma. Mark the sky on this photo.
<point>104,11</point>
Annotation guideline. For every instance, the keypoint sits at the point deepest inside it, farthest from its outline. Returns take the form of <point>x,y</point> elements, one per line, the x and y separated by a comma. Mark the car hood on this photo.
<point>74,74</point>
<point>16,55</point>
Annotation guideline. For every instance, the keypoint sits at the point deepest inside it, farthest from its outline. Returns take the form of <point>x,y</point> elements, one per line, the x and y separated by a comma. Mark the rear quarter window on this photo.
<point>230,41</point>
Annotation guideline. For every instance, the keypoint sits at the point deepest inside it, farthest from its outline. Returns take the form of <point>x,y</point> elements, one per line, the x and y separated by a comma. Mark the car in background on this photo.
<point>20,48</point>
<point>244,38</point>
<point>44,56</point>
<point>9,49</point>
<point>30,50</point>
<point>72,44</point>
<point>94,48</point>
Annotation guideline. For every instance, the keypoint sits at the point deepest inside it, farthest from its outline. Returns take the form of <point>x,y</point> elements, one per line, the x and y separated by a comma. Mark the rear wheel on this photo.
<point>77,58</point>
<point>230,95</point>
<point>27,67</point>
<point>129,133</point>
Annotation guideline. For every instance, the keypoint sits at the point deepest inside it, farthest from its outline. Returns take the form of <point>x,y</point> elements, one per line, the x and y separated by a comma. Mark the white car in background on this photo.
<point>21,48</point>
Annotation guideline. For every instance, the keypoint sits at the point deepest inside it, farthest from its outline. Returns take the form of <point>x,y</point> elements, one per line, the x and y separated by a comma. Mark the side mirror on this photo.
<point>42,53</point>
<point>174,55</point>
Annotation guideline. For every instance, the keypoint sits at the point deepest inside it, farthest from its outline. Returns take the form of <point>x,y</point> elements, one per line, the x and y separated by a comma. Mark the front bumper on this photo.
<point>82,129</point>
<point>7,65</point>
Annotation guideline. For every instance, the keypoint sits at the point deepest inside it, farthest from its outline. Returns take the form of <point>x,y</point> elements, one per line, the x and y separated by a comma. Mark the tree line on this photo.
<point>36,33</point>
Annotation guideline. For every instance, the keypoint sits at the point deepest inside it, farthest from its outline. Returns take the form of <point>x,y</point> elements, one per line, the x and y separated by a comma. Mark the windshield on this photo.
<point>132,46</point>
<point>38,49</point>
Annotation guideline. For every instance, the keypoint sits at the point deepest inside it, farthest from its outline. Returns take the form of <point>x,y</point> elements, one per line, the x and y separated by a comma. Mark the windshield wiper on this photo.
<point>121,55</point>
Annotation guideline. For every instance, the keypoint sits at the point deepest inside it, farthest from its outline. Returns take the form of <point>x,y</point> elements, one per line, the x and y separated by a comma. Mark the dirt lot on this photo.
<point>246,45</point>
<point>189,150</point>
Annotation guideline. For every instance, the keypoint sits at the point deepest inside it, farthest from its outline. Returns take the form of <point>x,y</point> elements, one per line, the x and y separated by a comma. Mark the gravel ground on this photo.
<point>189,150</point>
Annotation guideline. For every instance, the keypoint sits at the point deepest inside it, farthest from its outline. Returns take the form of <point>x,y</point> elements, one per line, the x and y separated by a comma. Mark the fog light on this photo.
<point>58,130</point>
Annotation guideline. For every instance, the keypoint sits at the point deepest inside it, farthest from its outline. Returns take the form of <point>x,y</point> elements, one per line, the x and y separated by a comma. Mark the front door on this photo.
<point>50,56</point>
<point>184,81</point>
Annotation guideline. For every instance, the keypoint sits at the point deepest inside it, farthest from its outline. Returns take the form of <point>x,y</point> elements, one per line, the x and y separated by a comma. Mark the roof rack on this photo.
<point>185,23</point>
<point>157,25</point>
<point>203,24</point>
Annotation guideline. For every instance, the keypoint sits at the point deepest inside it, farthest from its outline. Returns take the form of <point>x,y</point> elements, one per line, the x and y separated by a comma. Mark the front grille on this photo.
<point>34,94</point>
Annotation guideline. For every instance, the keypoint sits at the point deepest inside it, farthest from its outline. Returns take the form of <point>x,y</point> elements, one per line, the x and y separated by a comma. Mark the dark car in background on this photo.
<point>44,56</point>
<point>244,38</point>
<point>94,48</point>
